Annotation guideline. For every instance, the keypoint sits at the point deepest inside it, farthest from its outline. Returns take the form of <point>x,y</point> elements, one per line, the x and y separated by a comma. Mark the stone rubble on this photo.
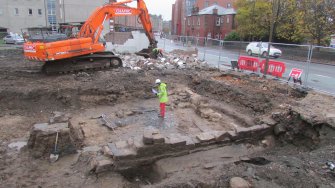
<point>237,182</point>
<point>174,60</point>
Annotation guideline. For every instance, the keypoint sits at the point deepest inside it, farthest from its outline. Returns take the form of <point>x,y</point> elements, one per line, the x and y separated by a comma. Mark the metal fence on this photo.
<point>317,62</point>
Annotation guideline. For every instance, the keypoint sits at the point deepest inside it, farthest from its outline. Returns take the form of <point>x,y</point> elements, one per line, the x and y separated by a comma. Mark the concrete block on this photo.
<point>205,137</point>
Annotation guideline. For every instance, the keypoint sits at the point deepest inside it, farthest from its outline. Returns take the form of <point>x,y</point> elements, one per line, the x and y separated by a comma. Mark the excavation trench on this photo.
<point>245,152</point>
<point>217,125</point>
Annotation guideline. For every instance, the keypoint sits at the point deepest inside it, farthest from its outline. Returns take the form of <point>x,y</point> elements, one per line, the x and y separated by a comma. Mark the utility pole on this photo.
<point>275,9</point>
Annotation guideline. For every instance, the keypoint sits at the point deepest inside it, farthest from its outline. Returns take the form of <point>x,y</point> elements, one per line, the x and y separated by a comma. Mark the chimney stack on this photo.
<point>215,11</point>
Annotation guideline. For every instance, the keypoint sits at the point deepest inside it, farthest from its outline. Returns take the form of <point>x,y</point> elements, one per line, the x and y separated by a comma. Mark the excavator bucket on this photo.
<point>146,52</point>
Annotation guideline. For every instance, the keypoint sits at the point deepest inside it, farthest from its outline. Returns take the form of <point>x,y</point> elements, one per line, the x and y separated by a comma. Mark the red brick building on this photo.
<point>207,3</point>
<point>181,9</point>
<point>212,22</point>
<point>178,17</point>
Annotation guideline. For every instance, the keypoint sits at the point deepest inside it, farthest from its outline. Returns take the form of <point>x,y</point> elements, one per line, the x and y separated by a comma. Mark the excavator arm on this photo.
<point>94,24</point>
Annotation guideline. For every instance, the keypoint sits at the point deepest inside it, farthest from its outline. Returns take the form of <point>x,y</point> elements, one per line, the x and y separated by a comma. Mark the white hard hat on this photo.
<point>158,81</point>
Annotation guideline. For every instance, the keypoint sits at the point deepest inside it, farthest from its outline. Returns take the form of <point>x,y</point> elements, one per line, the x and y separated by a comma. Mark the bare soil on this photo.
<point>199,101</point>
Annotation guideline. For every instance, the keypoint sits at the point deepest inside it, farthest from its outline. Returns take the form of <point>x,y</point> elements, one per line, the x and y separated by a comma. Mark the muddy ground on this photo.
<point>200,101</point>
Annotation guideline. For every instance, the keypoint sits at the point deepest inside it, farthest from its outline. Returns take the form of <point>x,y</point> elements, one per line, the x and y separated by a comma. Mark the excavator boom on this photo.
<point>87,41</point>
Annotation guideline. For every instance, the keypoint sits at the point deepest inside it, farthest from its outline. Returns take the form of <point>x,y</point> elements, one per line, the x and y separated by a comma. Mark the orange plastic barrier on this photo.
<point>275,68</point>
<point>248,63</point>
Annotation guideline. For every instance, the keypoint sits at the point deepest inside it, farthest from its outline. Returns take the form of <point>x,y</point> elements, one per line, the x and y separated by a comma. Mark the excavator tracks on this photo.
<point>96,61</point>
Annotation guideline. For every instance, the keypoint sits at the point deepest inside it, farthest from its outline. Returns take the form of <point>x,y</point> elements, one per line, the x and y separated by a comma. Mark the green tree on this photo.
<point>319,19</point>
<point>253,18</point>
<point>289,24</point>
<point>232,36</point>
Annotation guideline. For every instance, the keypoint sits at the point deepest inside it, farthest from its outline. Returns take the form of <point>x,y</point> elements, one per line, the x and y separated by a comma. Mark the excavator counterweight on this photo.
<point>85,50</point>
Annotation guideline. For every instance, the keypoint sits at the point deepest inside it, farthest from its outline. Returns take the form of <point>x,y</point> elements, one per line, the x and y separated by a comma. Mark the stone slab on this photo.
<point>237,182</point>
<point>221,136</point>
<point>279,129</point>
<point>91,149</point>
<point>103,165</point>
<point>205,137</point>
<point>248,132</point>
<point>147,138</point>
<point>50,129</point>
<point>121,153</point>
<point>232,135</point>
<point>121,144</point>
<point>269,121</point>
<point>175,140</point>
<point>107,151</point>
<point>158,138</point>
<point>138,143</point>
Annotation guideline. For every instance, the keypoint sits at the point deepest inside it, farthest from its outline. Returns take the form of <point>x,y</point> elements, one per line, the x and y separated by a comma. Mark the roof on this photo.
<point>221,10</point>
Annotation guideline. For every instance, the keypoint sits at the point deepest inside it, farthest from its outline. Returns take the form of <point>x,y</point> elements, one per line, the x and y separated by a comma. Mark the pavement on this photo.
<point>320,77</point>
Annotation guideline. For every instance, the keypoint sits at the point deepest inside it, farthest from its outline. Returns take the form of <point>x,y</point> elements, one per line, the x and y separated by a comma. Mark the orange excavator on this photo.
<point>86,51</point>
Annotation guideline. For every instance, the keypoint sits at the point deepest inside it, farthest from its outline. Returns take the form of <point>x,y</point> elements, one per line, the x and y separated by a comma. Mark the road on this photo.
<point>321,77</point>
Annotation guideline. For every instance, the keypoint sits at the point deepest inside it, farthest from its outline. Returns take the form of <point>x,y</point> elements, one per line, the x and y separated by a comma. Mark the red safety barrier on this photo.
<point>248,63</point>
<point>275,68</point>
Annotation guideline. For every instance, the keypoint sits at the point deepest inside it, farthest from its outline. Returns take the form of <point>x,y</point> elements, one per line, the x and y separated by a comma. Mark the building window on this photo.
<point>30,11</point>
<point>16,11</point>
<point>188,22</point>
<point>52,20</point>
<point>227,19</point>
<point>198,21</point>
<point>228,5</point>
<point>39,11</point>
<point>206,3</point>
<point>1,12</point>
<point>193,21</point>
<point>217,21</point>
<point>222,19</point>
<point>215,3</point>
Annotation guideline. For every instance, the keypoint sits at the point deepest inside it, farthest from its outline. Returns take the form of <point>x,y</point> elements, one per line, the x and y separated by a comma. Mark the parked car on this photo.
<point>13,39</point>
<point>261,48</point>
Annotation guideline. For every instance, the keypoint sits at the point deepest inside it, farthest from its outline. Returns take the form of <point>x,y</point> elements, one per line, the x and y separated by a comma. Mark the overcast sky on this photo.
<point>163,7</point>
